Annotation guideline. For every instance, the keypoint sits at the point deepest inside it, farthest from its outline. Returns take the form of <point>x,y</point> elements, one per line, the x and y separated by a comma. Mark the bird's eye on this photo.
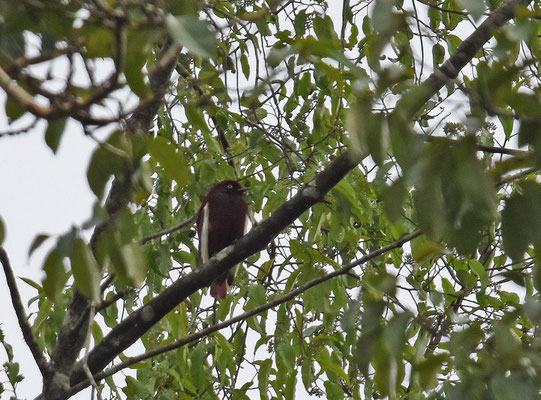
<point>230,186</point>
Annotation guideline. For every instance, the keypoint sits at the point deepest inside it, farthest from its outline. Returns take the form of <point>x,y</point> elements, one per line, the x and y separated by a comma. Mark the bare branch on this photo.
<point>167,231</point>
<point>20,95</point>
<point>521,174</point>
<point>409,105</point>
<point>29,338</point>
<point>136,324</point>
<point>257,310</point>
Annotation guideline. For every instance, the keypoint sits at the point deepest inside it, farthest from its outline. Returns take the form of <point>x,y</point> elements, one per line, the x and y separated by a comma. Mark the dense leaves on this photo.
<point>270,93</point>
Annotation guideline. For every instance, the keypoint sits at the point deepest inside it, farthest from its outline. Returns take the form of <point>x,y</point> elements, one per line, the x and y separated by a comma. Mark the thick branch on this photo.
<point>409,105</point>
<point>129,330</point>
<point>257,310</point>
<point>134,326</point>
<point>21,316</point>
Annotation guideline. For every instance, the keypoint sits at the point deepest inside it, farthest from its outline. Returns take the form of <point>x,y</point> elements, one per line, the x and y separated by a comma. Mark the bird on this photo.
<point>221,219</point>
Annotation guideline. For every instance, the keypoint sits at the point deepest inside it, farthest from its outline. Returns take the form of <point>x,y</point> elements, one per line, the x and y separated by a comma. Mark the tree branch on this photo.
<point>257,310</point>
<point>140,321</point>
<point>29,338</point>
<point>409,105</point>
<point>22,97</point>
<point>133,327</point>
<point>167,231</point>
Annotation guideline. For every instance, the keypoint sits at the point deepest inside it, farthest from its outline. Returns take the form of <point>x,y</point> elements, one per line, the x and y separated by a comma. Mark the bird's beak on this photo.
<point>243,189</point>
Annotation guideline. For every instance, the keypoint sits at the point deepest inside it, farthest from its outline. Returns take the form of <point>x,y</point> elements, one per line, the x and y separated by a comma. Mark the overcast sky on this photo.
<point>40,193</point>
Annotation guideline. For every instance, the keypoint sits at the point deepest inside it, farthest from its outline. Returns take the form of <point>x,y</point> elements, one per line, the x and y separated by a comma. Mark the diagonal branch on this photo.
<point>136,324</point>
<point>167,231</point>
<point>450,69</point>
<point>26,100</point>
<point>140,321</point>
<point>21,316</point>
<point>241,317</point>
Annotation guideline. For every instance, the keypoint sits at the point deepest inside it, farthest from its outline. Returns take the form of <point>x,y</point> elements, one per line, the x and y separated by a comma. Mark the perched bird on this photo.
<point>221,220</point>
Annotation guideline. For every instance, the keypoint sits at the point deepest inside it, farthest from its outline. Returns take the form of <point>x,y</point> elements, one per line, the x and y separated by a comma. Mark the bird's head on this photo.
<point>229,187</point>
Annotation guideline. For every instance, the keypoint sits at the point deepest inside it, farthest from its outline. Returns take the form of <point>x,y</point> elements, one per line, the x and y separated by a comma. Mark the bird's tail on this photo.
<point>218,288</point>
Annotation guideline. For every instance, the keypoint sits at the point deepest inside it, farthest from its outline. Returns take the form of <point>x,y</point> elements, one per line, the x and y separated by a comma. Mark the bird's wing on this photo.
<point>246,220</point>
<point>204,235</point>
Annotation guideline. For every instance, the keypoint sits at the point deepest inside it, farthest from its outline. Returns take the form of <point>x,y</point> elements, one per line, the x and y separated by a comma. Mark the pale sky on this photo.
<point>41,193</point>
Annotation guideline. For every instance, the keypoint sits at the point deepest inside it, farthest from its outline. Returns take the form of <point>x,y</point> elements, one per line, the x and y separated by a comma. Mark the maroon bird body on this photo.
<point>221,220</point>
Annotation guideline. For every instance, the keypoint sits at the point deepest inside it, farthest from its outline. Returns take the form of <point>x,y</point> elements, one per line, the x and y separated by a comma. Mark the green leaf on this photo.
<point>172,161</point>
<point>130,265</point>
<point>245,65</point>
<point>447,286</point>
<point>328,365</point>
<point>426,250</point>
<point>427,370</point>
<point>360,123</point>
<point>85,270</point>
<point>334,391</point>
<point>107,160</point>
<point>291,385</point>
<point>286,355</point>
<point>430,204</point>
<point>300,23</point>
<point>479,270</point>
<point>306,373</point>
<point>513,387</point>
<point>192,33</point>
<point>263,375</point>
<point>54,132</point>
<point>324,29</point>
<point>393,199</point>
<point>382,15</point>
<point>99,41</point>
<point>257,297</point>
<point>509,298</point>
<point>438,54</point>
<point>394,335</point>
<point>453,42</point>
<point>32,283</point>
<point>37,242</point>
<point>475,7</point>
<point>139,45</point>
<point>521,220</point>
<point>56,275</point>
<point>138,389</point>
<point>455,199</point>
<point>197,370</point>
<point>14,109</point>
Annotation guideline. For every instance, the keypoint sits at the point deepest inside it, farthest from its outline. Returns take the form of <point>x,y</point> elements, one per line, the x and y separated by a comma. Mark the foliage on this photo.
<point>270,93</point>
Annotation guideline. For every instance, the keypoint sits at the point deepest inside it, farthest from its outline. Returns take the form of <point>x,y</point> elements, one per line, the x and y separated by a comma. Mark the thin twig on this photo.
<point>488,149</point>
<point>446,10</point>
<point>257,310</point>
<point>29,338</point>
<point>107,302</point>
<point>87,350</point>
<point>514,177</point>
<point>167,231</point>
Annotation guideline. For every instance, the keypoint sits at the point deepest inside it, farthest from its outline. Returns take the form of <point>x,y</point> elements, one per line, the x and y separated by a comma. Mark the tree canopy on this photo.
<point>392,150</point>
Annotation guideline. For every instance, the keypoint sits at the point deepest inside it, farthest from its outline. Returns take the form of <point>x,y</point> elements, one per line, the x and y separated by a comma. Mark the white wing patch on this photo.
<point>204,246</point>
